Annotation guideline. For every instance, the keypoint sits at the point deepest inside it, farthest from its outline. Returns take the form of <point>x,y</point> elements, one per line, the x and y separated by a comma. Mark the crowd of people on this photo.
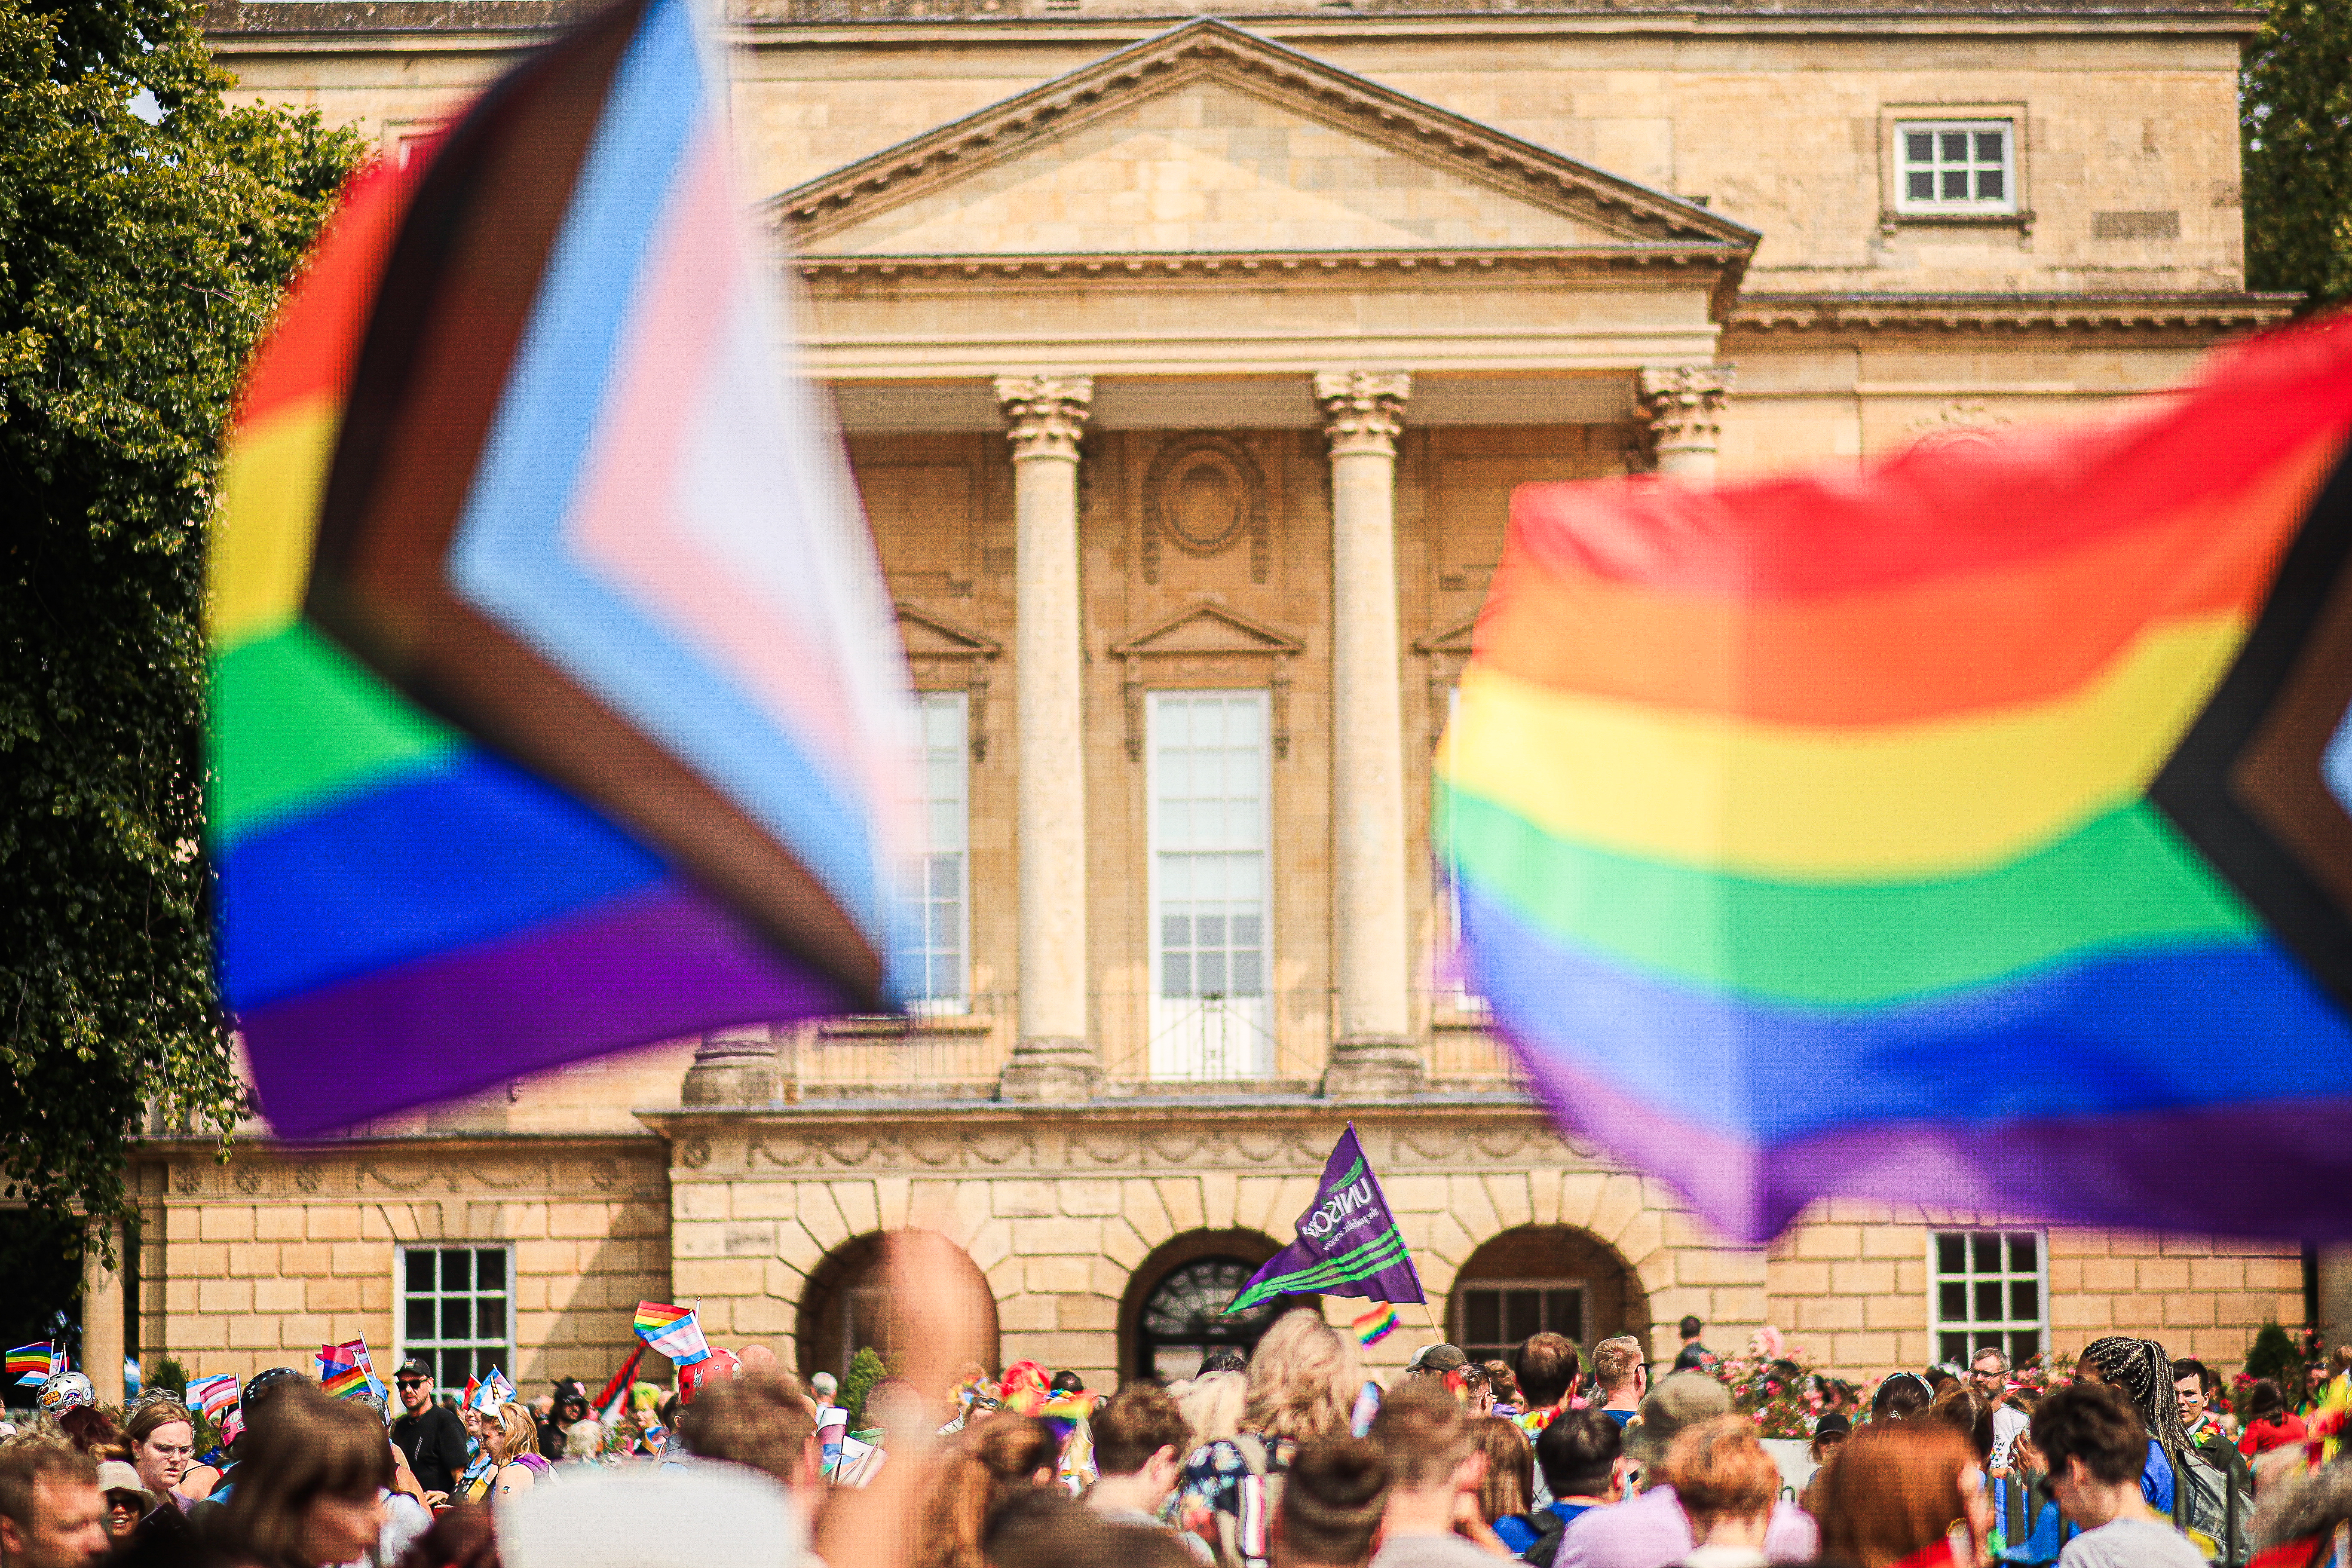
<point>1294,1456</point>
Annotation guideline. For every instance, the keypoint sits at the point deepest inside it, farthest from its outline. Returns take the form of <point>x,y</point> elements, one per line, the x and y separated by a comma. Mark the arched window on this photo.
<point>1184,1316</point>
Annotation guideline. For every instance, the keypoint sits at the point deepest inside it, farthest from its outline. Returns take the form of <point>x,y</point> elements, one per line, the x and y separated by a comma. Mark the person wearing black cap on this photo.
<point>571,1409</point>
<point>428,1432</point>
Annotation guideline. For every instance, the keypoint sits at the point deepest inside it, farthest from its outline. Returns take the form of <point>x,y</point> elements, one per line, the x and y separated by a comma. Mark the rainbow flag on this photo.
<point>1377,1324</point>
<point>1975,829</point>
<point>552,676</point>
<point>672,1330</point>
<point>211,1396</point>
<point>31,1364</point>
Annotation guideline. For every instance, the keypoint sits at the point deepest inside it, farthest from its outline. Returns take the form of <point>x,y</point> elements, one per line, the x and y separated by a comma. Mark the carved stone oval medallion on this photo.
<point>1202,492</point>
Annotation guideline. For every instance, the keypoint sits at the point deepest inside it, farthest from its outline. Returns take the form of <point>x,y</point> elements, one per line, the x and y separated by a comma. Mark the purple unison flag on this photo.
<point>1348,1244</point>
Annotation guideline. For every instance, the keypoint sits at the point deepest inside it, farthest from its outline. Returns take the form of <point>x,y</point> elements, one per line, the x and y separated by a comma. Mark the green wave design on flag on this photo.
<point>1383,1251</point>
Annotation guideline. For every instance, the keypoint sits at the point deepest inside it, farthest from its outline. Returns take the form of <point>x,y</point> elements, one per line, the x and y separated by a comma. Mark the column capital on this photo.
<point>1683,405</point>
<point>1048,414</point>
<point>1363,410</point>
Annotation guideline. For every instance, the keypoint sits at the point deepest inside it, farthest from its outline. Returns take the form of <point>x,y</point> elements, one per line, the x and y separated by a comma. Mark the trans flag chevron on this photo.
<point>552,676</point>
<point>1976,829</point>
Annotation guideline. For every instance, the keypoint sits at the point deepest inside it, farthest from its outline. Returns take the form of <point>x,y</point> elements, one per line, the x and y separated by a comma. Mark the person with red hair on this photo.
<point>1905,1494</point>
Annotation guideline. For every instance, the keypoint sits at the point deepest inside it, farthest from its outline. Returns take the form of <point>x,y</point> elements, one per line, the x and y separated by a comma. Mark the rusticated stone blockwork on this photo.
<point>260,1263</point>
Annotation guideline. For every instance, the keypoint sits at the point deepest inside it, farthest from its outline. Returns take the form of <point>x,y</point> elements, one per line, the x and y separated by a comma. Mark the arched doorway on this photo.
<point>1174,1310</point>
<point>847,1305</point>
<point>1544,1277</point>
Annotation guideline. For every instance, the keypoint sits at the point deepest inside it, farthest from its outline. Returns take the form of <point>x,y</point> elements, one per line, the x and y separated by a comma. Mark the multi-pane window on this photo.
<point>1960,165</point>
<point>454,1313</point>
<point>1211,1018</point>
<point>934,914</point>
<point>1988,1289</point>
<point>1496,1316</point>
<point>1209,835</point>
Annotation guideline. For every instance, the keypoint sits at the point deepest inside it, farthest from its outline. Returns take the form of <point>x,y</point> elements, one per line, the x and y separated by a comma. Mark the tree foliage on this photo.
<point>146,229</point>
<point>2295,107</point>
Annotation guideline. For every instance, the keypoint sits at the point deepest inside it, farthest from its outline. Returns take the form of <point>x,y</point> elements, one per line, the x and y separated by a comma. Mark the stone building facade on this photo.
<point>1185,367</point>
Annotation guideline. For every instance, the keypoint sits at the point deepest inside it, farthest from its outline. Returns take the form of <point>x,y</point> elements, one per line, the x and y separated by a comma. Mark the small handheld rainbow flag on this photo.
<point>31,1364</point>
<point>211,1396</point>
<point>1377,1324</point>
<point>344,1370</point>
<point>672,1331</point>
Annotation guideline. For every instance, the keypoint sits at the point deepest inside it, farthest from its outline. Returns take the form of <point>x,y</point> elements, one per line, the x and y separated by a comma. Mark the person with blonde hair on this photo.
<point>1727,1484</point>
<point>1301,1387</point>
<point>1212,1404</point>
<point>510,1437</point>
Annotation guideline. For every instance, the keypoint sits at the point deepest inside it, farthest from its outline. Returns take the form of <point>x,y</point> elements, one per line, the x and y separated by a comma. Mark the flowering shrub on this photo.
<point>1777,1386</point>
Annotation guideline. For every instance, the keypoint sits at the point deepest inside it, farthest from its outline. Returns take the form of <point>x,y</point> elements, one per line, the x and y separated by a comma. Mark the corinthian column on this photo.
<point>1051,1059</point>
<point>1375,1053</point>
<point>1683,405</point>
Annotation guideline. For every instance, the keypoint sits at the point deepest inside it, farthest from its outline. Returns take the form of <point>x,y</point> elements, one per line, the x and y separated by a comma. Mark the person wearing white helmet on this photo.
<point>66,1391</point>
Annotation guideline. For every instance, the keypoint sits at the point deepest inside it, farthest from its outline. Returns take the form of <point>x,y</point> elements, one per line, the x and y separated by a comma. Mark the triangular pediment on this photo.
<point>1453,636</point>
<point>1205,626</point>
<point>930,635</point>
<point>1209,139</point>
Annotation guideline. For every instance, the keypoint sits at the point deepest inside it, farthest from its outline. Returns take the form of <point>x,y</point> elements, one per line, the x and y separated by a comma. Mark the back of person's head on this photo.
<point>311,1446</point>
<point>1578,1453</point>
<point>1546,1366</point>
<point>975,1476</point>
<point>1894,1490</point>
<point>1690,1327</point>
<point>1224,1358</point>
<point>1041,1527</point>
<point>1720,1471</point>
<point>1900,1397</point>
<point>92,1431</point>
<point>2094,1423</point>
<point>2263,1401</point>
<point>583,1439</point>
<point>1068,1382</point>
<point>1508,1485</point>
<point>1212,1405</point>
<point>1302,1380</point>
<point>1331,1503</point>
<point>1970,1413</point>
<point>1613,1363</point>
<point>25,1465</point>
<point>460,1536</point>
<point>1423,1433</point>
<point>758,1419</point>
<point>1139,1421</point>
<point>2189,1366</point>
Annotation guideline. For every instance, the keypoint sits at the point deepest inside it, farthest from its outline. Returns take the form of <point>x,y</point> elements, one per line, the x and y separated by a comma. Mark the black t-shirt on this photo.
<point>434,1443</point>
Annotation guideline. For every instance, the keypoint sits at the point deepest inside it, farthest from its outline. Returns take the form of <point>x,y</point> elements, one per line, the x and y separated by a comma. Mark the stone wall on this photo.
<point>258,1264</point>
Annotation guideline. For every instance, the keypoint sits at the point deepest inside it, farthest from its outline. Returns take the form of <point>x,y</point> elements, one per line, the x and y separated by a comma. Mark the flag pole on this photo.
<point>1436,1334</point>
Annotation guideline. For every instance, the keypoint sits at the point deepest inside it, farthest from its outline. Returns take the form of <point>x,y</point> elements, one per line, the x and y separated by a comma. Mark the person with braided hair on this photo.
<point>2176,1480</point>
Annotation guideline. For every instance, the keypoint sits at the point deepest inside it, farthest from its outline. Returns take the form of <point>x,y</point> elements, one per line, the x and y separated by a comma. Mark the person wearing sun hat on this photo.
<point>127,1500</point>
<point>1653,1531</point>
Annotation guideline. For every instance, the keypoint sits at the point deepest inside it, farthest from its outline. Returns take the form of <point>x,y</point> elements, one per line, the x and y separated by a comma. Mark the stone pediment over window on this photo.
<point>1210,142</point>
<point>943,655</point>
<point>1207,644</point>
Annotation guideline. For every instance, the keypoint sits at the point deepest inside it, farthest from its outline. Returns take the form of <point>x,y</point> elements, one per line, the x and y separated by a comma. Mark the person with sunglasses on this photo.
<point>428,1432</point>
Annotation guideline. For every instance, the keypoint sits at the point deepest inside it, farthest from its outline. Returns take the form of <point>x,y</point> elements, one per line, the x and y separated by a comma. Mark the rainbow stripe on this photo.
<point>1863,834</point>
<point>551,670</point>
<point>1376,1325</point>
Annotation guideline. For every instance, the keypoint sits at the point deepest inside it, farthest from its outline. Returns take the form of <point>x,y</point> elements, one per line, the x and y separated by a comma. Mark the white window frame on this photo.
<point>960,1000</point>
<point>502,1353</point>
<point>1153,704</point>
<point>2011,199</point>
<point>1978,1330</point>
